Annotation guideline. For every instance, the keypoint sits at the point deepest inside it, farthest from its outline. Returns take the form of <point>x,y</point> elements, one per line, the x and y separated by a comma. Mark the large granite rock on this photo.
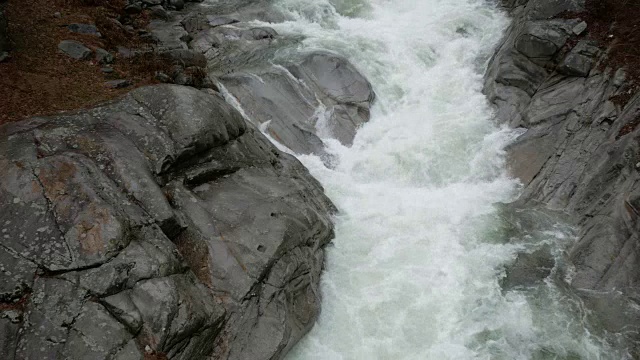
<point>581,151</point>
<point>321,96</point>
<point>159,224</point>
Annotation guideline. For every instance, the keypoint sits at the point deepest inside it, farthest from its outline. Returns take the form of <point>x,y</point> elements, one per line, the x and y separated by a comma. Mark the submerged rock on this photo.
<point>529,268</point>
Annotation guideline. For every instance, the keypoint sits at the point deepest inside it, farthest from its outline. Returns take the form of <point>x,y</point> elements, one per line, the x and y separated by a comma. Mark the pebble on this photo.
<point>117,84</point>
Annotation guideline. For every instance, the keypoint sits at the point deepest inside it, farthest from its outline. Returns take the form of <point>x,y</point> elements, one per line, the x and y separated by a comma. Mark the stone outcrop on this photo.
<point>161,223</point>
<point>580,153</point>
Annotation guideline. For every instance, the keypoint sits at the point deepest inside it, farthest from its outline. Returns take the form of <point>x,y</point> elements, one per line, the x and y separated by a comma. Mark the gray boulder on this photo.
<point>88,29</point>
<point>160,223</point>
<point>542,39</point>
<point>74,49</point>
<point>287,101</point>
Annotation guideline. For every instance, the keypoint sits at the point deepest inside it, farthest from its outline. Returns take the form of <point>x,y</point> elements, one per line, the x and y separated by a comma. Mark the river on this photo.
<point>415,269</point>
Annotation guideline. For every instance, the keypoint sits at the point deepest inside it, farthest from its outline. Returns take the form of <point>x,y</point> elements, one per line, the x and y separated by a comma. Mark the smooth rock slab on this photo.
<point>288,109</point>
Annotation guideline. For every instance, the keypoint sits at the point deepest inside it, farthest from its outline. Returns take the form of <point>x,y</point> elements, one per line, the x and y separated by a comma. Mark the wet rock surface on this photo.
<point>288,109</point>
<point>529,268</point>
<point>580,151</point>
<point>161,223</point>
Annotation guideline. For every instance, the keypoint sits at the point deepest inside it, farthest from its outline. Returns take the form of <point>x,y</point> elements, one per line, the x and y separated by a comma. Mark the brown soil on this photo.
<point>155,356</point>
<point>38,80</point>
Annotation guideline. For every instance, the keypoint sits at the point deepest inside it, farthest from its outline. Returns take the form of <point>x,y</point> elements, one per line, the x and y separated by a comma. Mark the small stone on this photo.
<point>619,77</point>
<point>220,20</point>
<point>107,70</point>
<point>638,166</point>
<point>88,29</point>
<point>147,349</point>
<point>4,56</point>
<point>580,28</point>
<point>158,12</point>
<point>177,4</point>
<point>182,79</point>
<point>117,84</point>
<point>74,49</point>
<point>57,15</point>
<point>103,56</point>
<point>162,77</point>
<point>576,65</point>
<point>13,316</point>
<point>125,53</point>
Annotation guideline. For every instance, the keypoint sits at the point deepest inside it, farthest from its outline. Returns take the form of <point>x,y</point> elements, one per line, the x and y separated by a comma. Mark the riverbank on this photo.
<point>564,75</point>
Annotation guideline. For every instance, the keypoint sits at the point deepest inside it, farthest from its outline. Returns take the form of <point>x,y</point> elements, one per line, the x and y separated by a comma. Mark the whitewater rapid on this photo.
<point>414,270</point>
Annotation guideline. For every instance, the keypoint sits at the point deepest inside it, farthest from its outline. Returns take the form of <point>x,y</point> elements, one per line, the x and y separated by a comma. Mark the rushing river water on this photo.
<point>414,271</point>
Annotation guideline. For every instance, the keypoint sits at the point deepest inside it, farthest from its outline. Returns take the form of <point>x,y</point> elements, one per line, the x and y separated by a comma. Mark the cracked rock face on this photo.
<point>161,223</point>
<point>581,151</point>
